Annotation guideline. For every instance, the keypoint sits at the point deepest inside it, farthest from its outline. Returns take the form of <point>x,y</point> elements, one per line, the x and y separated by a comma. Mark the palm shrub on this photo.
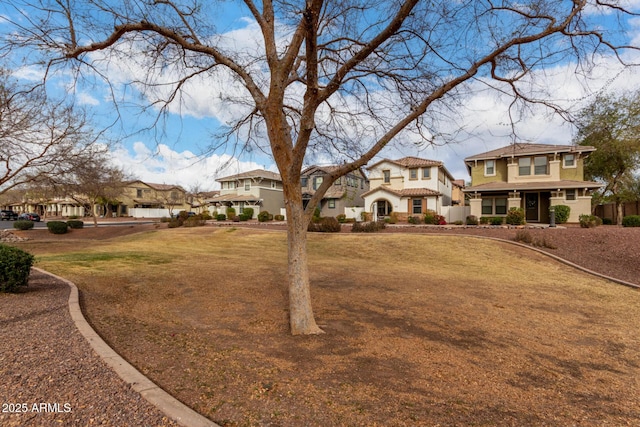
<point>57,227</point>
<point>15,266</point>
<point>515,216</point>
<point>23,224</point>
<point>562,213</point>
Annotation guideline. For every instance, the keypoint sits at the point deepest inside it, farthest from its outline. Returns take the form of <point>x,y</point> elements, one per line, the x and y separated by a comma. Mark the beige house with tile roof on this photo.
<point>139,194</point>
<point>345,192</point>
<point>409,186</point>
<point>258,189</point>
<point>530,176</point>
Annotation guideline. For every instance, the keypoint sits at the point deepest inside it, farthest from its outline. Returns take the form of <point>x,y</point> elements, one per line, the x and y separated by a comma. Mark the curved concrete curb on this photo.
<point>172,407</point>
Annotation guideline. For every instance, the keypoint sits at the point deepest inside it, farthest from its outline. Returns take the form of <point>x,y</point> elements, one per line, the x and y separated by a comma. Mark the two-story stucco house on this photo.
<point>409,186</point>
<point>530,176</point>
<point>258,189</point>
<point>346,191</point>
<point>146,195</point>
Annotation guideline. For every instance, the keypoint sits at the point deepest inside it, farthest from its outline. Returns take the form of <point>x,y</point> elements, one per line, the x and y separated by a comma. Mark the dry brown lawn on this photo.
<point>421,330</point>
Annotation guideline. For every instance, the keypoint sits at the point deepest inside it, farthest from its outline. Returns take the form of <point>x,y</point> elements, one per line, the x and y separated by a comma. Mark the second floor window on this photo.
<point>540,165</point>
<point>317,182</point>
<point>247,184</point>
<point>524,166</point>
<point>413,173</point>
<point>386,176</point>
<point>138,192</point>
<point>489,167</point>
<point>426,173</point>
<point>304,181</point>
<point>569,160</point>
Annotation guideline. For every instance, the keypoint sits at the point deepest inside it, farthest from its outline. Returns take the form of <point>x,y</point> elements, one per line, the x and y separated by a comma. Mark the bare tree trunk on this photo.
<point>301,319</point>
<point>619,212</point>
<point>94,214</point>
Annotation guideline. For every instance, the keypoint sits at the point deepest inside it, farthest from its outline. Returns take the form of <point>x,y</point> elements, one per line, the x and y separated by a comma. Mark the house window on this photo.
<point>524,166</point>
<point>338,181</point>
<point>540,165</point>
<point>332,203</point>
<point>274,184</point>
<point>569,160</point>
<point>416,206</point>
<point>304,181</point>
<point>501,206</point>
<point>570,194</point>
<point>247,184</point>
<point>413,173</point>
<point>317,181</point>
<point>426,173</point>
<point>489,167</point>
<point>232,185</point>
<point>386,176</point>
<point>138,192</point>
<point>487,206</point>
<point>241,208</point>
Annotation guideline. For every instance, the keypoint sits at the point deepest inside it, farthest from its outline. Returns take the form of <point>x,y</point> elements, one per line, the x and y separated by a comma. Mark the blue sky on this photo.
<point>171,152</point>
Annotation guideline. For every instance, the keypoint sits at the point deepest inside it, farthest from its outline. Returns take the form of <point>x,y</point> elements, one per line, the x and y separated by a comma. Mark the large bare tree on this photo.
<point>325,77</point>
<point>39,138</point>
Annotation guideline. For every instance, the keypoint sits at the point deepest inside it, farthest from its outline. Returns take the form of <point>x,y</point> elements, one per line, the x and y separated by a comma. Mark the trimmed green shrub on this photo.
<point>231,212</point>
<point>430,217</point>
<point>589,221</point>
<point>368,227</point>
<point>244,217</point>
<point>413,220</point>
<point>472,220</point>
<point>248,212</point>
<point>264,216</point>
<point>23,224</point>
<point>493,220</point>
<point>631,221</point>
<point>342,218</point>
<point>458,222</point>
<point>279,217</point>
<point>75,224</point>
<point>515,216</point>
<point>324,225</point>
<point>15,266</point>
<point>607,221</point>
<point>562,213</point>
<point>221,217</point>
<point>57,227</point>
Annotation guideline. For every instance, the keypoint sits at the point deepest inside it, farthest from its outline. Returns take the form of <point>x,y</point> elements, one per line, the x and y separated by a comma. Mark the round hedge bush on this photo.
<point>75,224</point>
<point>562,213</point>
<point>57,227</point>
<point>23,224</point>
<point>15,266</point>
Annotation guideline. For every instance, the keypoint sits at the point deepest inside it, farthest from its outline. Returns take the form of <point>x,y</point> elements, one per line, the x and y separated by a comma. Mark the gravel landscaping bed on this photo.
<point>50,375</point>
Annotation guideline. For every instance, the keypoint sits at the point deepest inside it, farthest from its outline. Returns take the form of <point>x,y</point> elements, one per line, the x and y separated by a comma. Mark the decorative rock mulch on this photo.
<point>8,236</point>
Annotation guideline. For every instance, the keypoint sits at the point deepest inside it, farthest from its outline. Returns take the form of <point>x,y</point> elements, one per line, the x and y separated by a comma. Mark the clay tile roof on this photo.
<point>407,192</point>
<point>409,162</point>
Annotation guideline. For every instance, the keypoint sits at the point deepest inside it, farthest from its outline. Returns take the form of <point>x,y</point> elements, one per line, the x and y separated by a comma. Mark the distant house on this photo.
<point>346,191</point>
<point>409,187</point>
<point>530,176</point>
<point>144,195</point>
<point>258,189</point>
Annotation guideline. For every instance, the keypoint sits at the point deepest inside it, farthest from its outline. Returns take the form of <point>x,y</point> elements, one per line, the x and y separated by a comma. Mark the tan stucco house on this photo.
<point>408,186</point>
<point>345,192</point>
<point>530,176</point>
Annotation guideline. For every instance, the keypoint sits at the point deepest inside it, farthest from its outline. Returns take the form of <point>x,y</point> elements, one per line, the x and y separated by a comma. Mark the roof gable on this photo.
<point>254,174</point>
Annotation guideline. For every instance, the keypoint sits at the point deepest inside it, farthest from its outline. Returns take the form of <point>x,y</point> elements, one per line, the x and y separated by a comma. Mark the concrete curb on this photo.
<point>162,400</point>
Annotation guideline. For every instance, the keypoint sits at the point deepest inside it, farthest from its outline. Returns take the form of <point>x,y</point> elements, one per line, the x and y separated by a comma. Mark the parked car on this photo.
<point>8,215</point>
<point>31,216</point>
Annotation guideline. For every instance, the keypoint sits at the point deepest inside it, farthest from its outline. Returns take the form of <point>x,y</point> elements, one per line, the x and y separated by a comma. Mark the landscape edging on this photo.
<point>150,391</point>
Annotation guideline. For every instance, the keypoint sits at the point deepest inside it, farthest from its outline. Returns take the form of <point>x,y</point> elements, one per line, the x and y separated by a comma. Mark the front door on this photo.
<point>531,209</point>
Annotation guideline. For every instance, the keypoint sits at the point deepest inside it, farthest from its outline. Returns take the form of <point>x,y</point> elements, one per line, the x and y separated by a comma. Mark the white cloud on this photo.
<point>167,166</point>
